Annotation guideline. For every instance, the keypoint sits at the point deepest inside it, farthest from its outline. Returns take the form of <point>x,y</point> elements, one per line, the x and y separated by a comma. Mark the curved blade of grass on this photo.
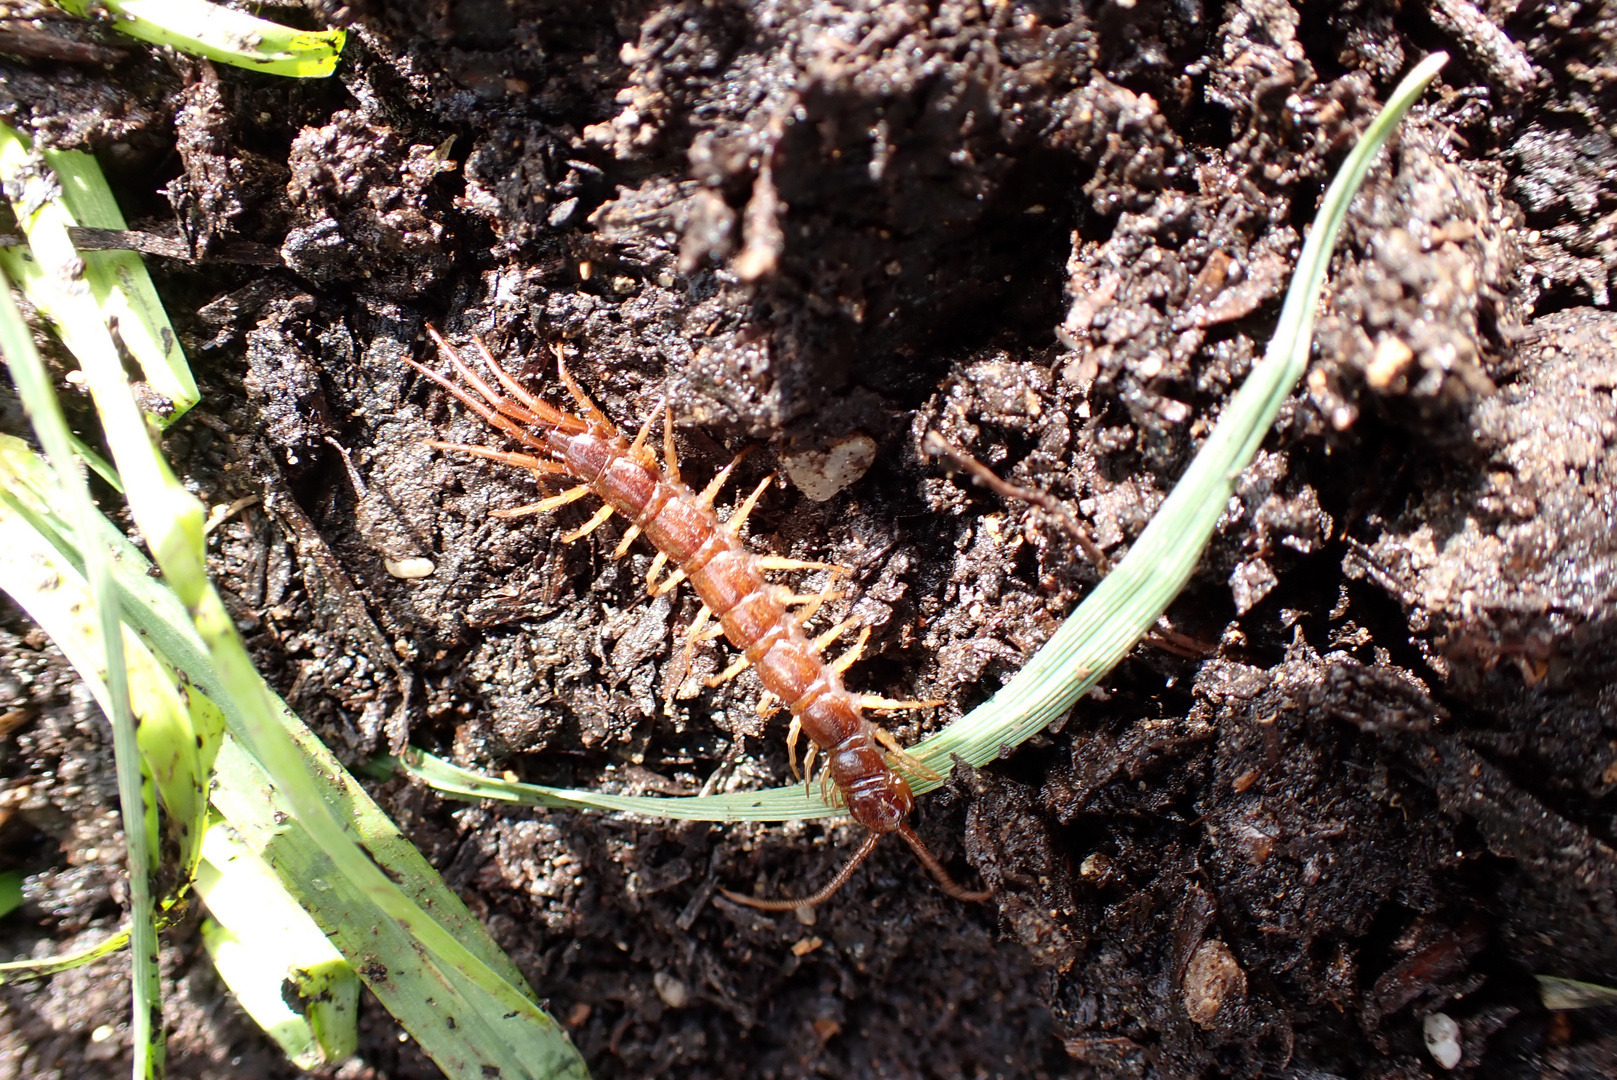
<point>1121,609</point>
<point>1558,994</point>
<point>221,34</point>
<point>274,958</point>
<point>418,979</point>
<point>108,654</point>
<point>23,970</point>
<point>10,892</point>
<point>86,294</point>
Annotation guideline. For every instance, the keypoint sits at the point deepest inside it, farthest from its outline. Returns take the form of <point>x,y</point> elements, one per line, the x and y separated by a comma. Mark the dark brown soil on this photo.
<point>1368,775</point>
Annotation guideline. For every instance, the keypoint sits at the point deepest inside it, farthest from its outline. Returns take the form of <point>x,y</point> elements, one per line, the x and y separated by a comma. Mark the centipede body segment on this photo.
<point>752,612</point>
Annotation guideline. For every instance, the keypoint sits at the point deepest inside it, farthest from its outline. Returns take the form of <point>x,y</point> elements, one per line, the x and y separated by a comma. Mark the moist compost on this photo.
<point>1359,787</point>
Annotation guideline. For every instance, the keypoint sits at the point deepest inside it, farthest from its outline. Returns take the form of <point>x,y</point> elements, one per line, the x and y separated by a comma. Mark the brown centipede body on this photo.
<point>751,612</point>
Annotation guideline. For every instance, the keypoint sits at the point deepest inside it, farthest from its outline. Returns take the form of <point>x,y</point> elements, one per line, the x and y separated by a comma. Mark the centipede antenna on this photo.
<point>939,874</point>
<point>516,389</point>
<point>492,418</point>
<point>490,395</point>
<point>521,461</point>
<point>583,399</point>
<point>820,897</point>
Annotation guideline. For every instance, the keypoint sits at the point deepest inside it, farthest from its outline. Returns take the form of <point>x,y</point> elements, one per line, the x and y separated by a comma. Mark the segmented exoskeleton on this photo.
<point>752,612</point>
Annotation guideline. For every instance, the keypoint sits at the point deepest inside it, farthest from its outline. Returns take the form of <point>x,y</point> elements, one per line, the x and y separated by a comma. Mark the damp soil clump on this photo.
<point>1362,780</point>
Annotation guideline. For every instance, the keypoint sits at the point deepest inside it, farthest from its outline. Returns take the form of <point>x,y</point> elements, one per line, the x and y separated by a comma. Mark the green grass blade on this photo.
<point>274,958</point>
<point>10,892</point>
<point>1122,607</point>
<point>221,34</point>
<point>498,1027</point>
<point>23,970</point>
<point>139,807</point>
<point>85,294</point>
<point>1558,994</point>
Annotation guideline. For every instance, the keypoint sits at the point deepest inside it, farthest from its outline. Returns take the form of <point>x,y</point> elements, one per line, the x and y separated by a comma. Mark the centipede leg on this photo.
<point>589,526</point>
<point>851,657</point>
<point>741,664</point>
<point>670,455</point>
<point>811,602</point>
<point>767,706</point>
<point>777,562</point>
<point>637,449</point>
<point>877,703</point>
<point>792,733</point>
<point>711,492</point>
<point>667,584</point>
<point>903,757</point>
<point>739,518</point>
<point>835,632</point>
<point>629,535</point>
<point>939,874</point>
<point>820,897</point>
<point>693,636</point>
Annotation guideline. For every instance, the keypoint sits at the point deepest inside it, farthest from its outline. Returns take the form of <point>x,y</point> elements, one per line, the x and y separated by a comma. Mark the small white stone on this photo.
<point>411,568</point>
<point>820,474</point>
<point>1443,1039</point>
<point>674,993</point>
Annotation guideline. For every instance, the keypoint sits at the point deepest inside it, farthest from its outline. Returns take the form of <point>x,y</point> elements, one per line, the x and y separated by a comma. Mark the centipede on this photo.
<point>860,767</point>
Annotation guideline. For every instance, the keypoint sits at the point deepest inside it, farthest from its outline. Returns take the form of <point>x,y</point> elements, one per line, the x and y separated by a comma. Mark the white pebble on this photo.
<point>1443,1039</point>
<point>411,568</point>
<point>675,994</point>
<point>820,474</point>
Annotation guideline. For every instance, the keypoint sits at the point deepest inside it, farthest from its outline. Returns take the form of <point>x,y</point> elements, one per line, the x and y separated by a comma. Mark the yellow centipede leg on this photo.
<point>792,733</point>
<point>878,703</point>
<point>670,455</point>
<point>589,526</point>
<point>901,756</point>
<point>741,664</point>
<point>835,632</point>
<point>849,658</point>
<point>583,399</point>
<point>739,518</point>
<point>629,535</point>
<point>711,492</point>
